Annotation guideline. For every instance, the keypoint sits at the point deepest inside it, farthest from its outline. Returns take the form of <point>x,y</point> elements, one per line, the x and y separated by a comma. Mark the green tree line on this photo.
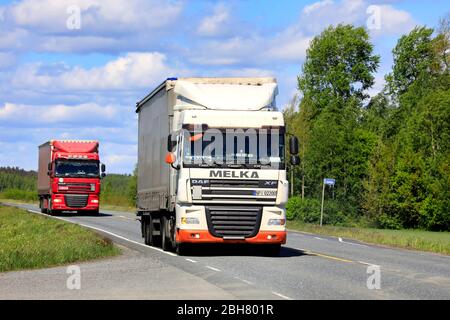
<point>19,184</point>
<point>388,153</point>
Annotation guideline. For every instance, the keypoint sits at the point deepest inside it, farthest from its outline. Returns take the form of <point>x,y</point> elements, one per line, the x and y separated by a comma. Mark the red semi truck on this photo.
<point>69,176</point>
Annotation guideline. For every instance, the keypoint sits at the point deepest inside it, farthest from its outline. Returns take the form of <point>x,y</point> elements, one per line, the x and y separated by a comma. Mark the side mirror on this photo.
<point>103,167</point>
<point>170,143</point>
<point>295,160</point>
<point>103,175</point>
<point>293,145</point>
<point>49,166</point>
<point>49,173</point>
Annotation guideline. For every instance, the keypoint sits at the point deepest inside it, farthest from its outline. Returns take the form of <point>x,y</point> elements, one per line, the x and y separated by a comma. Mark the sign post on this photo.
<point>329,182</point>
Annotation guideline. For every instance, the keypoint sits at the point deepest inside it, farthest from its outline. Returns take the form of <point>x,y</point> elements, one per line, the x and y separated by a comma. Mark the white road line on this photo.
<point>243,280</point>
<point>212,268</point>
<point>190,260</point>
<point>318,238</point>
<point>369,264</point>
<point>355,244</point>
<point>108,232</point>
<point>281,295</point>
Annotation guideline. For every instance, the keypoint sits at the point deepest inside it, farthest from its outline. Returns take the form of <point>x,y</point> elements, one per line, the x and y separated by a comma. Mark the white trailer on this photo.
<point>186,195</point>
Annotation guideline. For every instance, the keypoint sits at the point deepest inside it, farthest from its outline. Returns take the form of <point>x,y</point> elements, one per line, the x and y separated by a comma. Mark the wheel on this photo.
<point>166,243</point>
<point>181,249</point>
<point>41,205</point>
<point>273,250</point>
<point>148,232</point>
<point>94,212</point>
<point>142,227</point>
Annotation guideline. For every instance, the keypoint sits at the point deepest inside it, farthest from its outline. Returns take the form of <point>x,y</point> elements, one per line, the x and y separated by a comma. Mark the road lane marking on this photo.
<point>318,238</point>
<point>281,295</point>
<point>107,232</point>
<point>212,268</point>
<point>190,260</point>
<point>323,255</point>
<point>243,280</point>
<point>369,264</point>
<point>355,244</point>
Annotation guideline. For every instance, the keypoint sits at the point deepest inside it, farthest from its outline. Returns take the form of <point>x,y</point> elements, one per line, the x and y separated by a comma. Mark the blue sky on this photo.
<point>57,82</point>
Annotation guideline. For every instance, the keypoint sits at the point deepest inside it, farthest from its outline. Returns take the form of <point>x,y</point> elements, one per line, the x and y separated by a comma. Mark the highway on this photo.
<point>309,267</point>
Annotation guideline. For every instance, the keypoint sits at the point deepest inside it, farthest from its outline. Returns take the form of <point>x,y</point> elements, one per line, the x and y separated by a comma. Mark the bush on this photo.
<point>308,210</point>
<point>17,194</point>
<point>305,210</point>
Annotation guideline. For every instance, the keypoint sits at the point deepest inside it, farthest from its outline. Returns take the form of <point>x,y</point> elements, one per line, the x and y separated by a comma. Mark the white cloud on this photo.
<point>87,114</point>
<point>394,21</point>
<point>316,5</point>
<point>131,71</point>
<point>7,60</point>
<point>214,24</point>
<point>97,16</point>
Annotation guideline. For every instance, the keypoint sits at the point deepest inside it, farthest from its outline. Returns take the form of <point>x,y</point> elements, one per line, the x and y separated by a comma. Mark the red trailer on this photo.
<point>69,176</point>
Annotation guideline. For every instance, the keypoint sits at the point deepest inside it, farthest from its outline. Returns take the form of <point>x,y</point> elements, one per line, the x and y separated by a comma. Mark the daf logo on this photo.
<point>270,183</point>
<point>233,174</point>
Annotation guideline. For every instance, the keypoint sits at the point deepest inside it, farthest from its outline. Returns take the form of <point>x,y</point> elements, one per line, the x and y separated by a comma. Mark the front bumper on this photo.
<point>203,236</point>
<point>59,203</point>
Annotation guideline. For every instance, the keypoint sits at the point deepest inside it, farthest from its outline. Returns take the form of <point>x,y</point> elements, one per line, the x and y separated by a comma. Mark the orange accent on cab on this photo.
<point>277,237</point>
<point>170,158</point>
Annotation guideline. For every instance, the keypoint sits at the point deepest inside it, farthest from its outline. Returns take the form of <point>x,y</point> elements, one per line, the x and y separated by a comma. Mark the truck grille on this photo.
<point>76,200</point>
<point>74,187</point>
<point>232,190</point>
<point>233,221</point>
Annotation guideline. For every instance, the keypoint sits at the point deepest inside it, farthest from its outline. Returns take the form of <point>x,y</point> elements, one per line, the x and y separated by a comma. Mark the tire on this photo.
<point>41,205</point>
<point>94,212</point>
<point>148,233</point>
<point>182,249</point>
<point>166,243</point>
<point>272,250</point>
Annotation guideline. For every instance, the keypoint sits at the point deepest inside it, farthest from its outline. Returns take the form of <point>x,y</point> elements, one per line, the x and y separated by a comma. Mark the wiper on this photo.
<point>209,164</point>
<point>237,165</point>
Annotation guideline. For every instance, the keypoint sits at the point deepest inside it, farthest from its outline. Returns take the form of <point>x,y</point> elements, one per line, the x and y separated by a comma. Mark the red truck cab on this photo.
<point>69,176</point>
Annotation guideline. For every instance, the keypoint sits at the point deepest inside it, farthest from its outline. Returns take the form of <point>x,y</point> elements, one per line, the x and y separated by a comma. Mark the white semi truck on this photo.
<point>211,163</point>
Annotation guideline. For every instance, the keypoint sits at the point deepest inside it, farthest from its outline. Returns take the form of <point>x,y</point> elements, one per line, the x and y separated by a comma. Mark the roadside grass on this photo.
<point>30,241</point>
<point>437,242</point>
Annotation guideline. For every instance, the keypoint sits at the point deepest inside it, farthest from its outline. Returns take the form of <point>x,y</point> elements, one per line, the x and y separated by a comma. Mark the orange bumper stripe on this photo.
<point>203,236</point>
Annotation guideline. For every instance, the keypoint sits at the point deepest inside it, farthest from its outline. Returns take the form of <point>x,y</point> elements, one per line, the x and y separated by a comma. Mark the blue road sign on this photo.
<point>329,181</point>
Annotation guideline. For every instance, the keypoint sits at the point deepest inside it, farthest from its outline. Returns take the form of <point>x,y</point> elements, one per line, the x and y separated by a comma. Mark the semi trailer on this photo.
<point>211,163</point>
<point>69,175</point>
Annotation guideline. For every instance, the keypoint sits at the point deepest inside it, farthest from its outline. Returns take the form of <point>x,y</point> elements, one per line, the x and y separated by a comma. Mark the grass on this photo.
<point>437,242</point>
<point>30,241</point>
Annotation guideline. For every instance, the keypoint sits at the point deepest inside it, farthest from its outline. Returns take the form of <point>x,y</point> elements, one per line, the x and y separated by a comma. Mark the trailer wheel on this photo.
<point>166,242</point>
<point>148,232</point>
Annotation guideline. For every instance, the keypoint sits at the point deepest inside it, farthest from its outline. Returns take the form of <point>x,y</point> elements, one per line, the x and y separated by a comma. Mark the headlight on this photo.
<point>277,222</point>
<point>189,220</point>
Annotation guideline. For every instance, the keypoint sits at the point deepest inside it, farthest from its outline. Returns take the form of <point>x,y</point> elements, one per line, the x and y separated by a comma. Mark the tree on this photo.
<point>409,176</point>
<point>337,72</point>
<point>339,65</point>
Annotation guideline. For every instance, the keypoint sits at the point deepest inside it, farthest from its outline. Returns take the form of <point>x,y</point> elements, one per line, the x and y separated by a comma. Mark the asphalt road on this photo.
<point>309,267</point>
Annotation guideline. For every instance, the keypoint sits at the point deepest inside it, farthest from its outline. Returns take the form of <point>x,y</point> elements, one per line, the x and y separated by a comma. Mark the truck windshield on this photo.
<point>249,148</point>
<point>76,168</point>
